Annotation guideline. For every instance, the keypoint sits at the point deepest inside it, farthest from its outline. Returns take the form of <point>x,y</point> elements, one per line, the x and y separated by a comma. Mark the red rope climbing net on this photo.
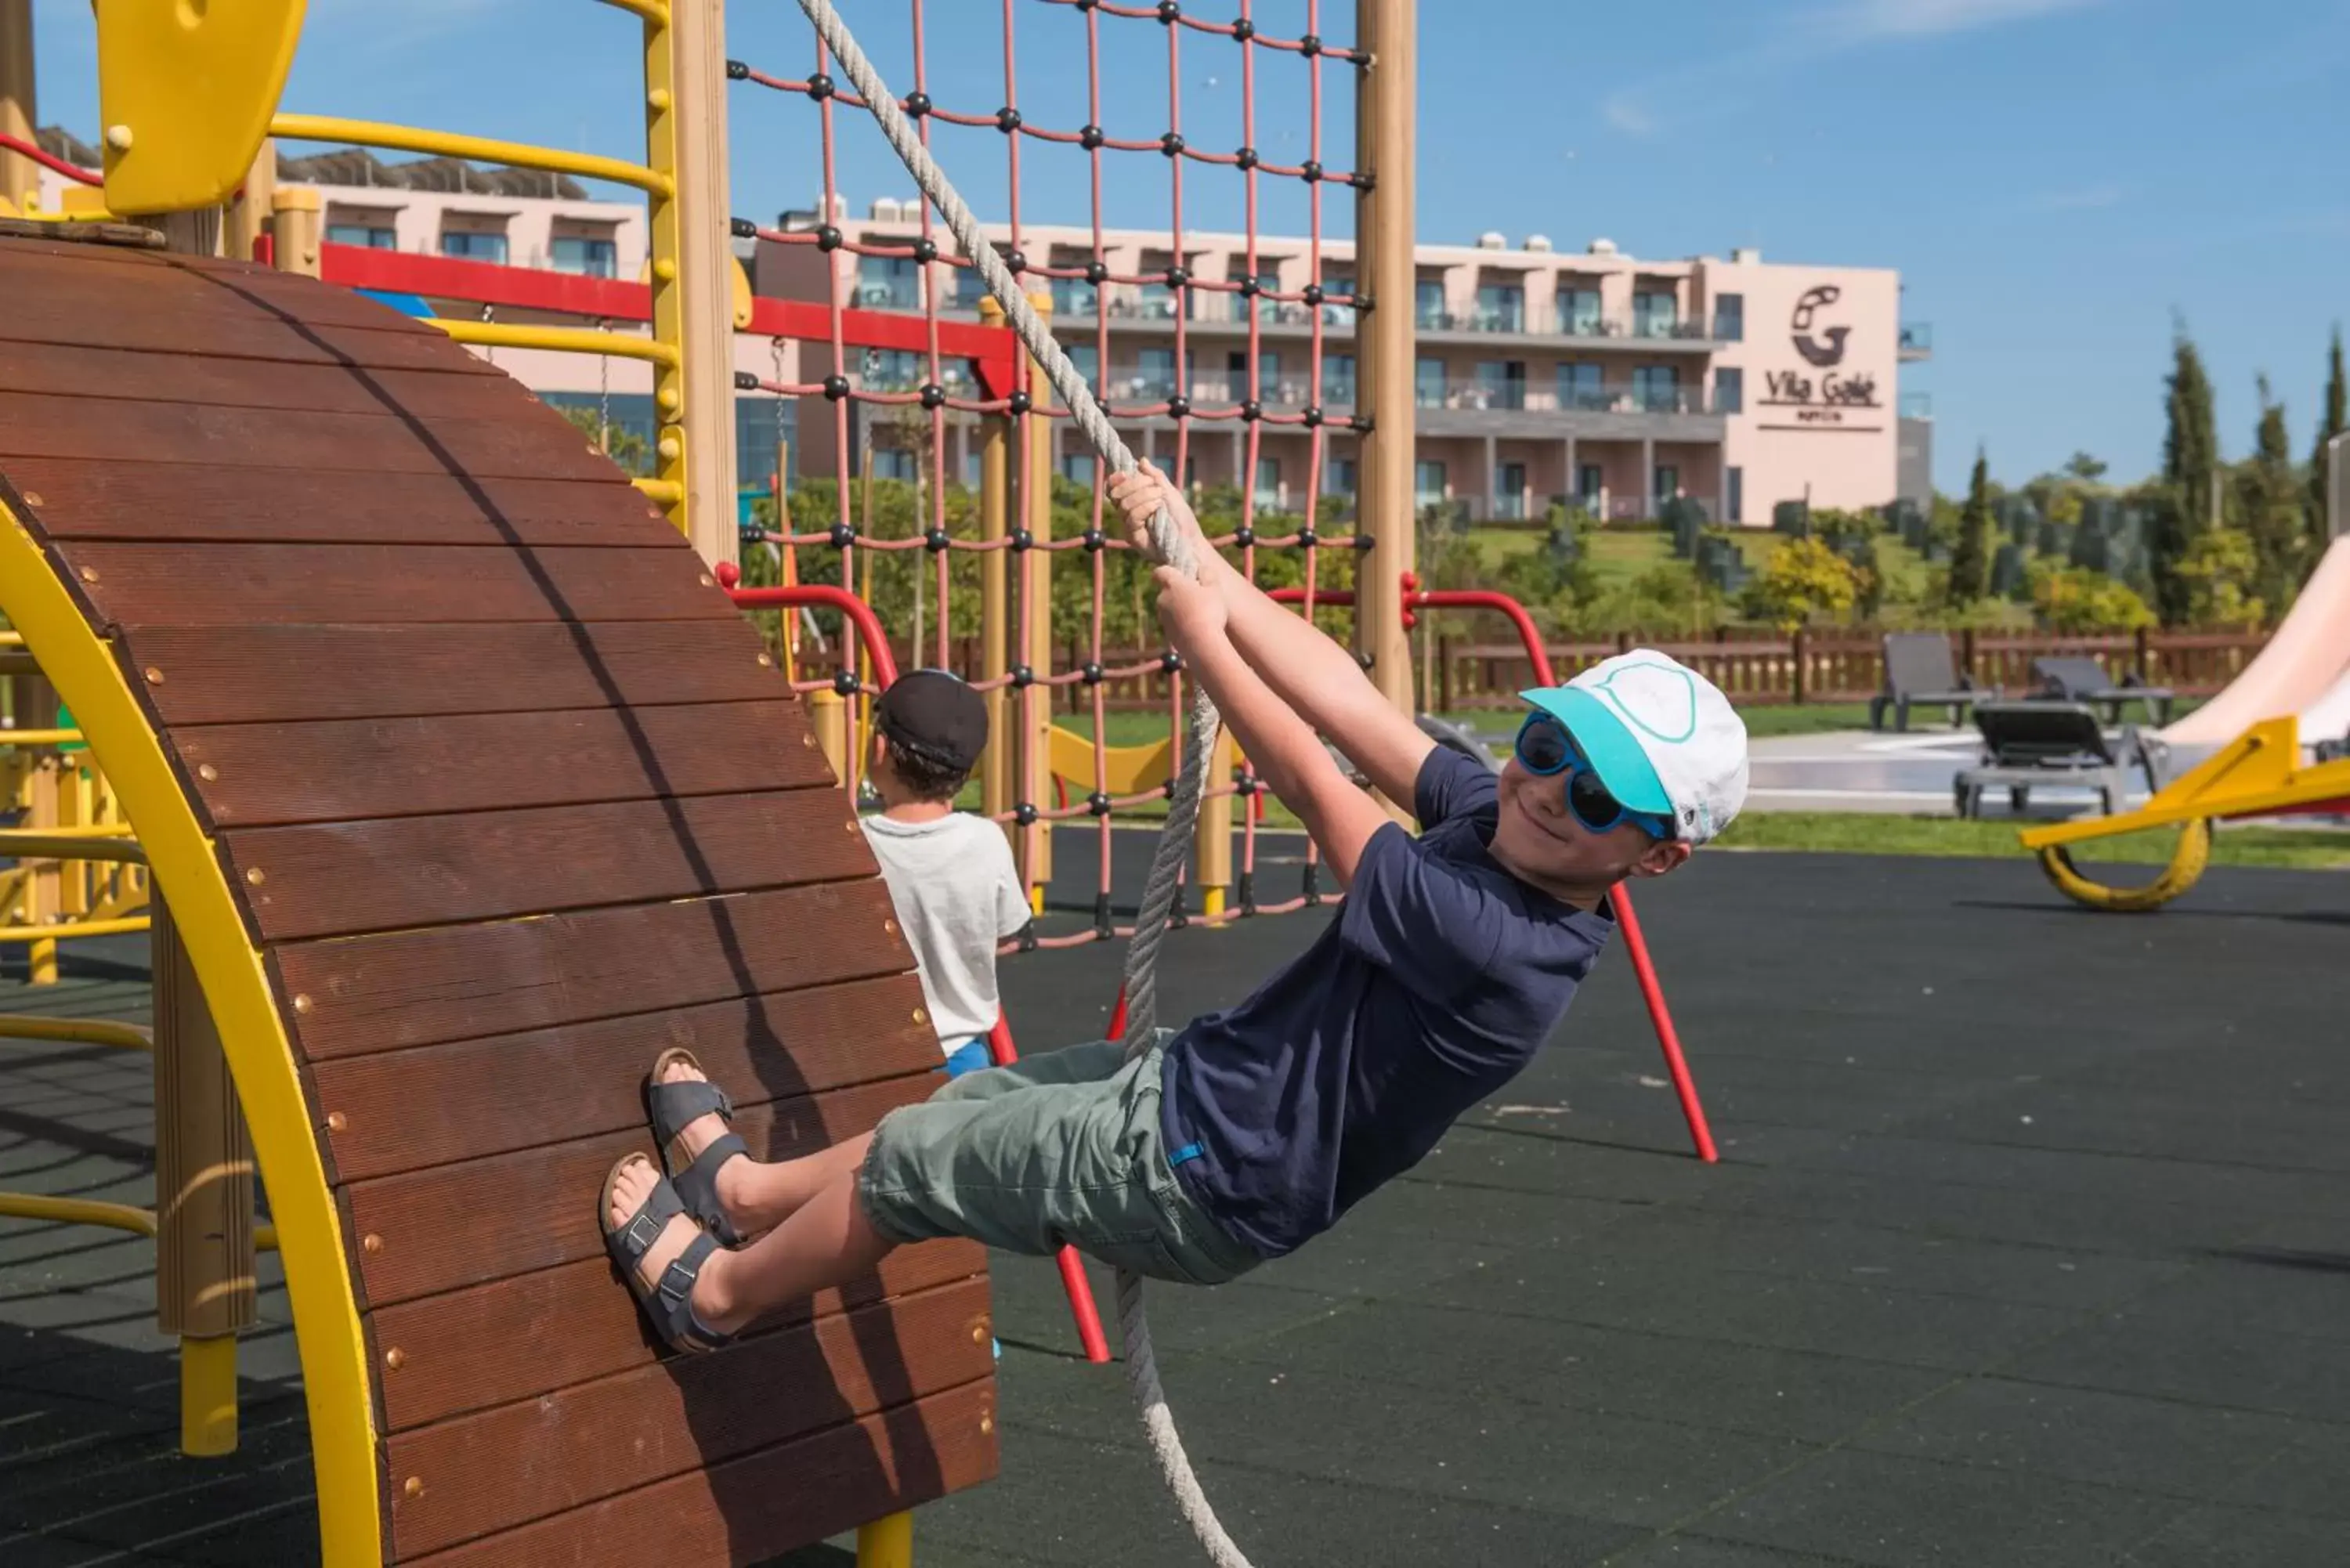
<point>947,393</point>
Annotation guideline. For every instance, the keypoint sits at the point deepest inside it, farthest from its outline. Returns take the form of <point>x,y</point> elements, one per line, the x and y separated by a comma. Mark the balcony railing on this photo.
<point>1917,405</point>
<point>1481,396</point>
<point>1538,319</point>
<point>1917,340</point>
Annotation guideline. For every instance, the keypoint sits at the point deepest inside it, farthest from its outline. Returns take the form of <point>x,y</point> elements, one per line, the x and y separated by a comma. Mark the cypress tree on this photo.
<point>1971,561</point>
<point>2333,418</point>
<point>2191,457</point>
<point>2271,504</point>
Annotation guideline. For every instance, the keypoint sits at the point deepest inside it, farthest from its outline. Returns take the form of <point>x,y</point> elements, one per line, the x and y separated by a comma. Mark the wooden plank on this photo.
<point>81,499</point>
<point>70,283</point>
<point>457,1349</point>
<point>609,1437</point>
<point>264,674</point>
<point>243,585</point>
<point>765,1504</point>
<point>392,874</point>
<point>457,1225</point>
<point>159,326</point>
<point>417,988</point>
<point>51,369</point>
<point>252,775</point>
<point>408,1110</point>
<point>14,244</point>
<point>530,442</point>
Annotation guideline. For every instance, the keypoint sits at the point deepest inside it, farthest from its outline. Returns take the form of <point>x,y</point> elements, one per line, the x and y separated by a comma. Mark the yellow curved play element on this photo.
<point>1130,770</point>
<point>335,1369</point>
<point>2192,853</point>
<point>2258,774</point>
<point>185,89</point>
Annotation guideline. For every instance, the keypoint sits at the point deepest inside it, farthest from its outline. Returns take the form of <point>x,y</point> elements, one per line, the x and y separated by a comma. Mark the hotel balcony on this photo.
<point>1511,409</point>
<point>1916,341</point>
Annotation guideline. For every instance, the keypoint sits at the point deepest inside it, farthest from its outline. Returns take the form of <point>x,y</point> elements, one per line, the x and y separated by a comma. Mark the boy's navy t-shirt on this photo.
<point>1439,980</point>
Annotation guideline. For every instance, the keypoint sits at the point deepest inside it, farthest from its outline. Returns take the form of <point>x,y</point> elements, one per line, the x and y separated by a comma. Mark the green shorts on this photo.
<point>1065,1147</point>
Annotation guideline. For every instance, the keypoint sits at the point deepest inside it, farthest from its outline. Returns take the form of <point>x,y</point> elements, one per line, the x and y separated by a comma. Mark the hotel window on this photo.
<point>1268,483</point>
<point>1733,499</point>
<point>1428,483</point>
<point>1510,491</point>
<point>1578,312</point>
<point>1156,377</point>
<point>896,462</point>
<point>1729,317</point>
<point>1156,302</point>
<point>468,245</point>
<point>1501,308</point>
<point>1078,467</point>
<point>889,283</point>
<point>585,256</point>
<point>1086,360</point>
<point>1502,384</point>
<point>365,236</point>
<point>1590,486</point>
<point>1656,387</point>
<point>1667,484</point>
<point>1338,381</point>
<point>970,288</point>
<point>1338,475</point>
<point>1074,295</point>
<point>1427,299</point>
<point>1334,315</point>
<point>1579,387</point>
<point>892,369</point>
<point>1428,383</point>
<point>1729,390</point>
<point>1655,314</point>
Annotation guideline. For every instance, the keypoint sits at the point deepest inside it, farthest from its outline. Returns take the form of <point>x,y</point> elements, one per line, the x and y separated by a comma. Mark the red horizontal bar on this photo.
<point>613,299</point>
<point>32,150</point>
<point>817,595</point>
<point>1449,599</point>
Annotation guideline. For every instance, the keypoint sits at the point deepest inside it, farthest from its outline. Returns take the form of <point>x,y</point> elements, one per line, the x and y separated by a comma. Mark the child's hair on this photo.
<point>927,777</point>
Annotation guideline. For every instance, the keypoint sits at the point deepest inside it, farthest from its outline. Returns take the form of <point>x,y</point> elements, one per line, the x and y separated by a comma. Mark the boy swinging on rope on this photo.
<point>1242,1136</point>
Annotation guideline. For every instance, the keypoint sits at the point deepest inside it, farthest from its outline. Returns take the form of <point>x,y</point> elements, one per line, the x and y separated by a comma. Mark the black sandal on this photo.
<point>668,1301</point>
<point>669,1108</point>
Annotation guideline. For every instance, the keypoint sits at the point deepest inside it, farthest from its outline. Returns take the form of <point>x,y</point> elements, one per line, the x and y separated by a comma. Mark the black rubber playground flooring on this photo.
<point>2030,1244</point>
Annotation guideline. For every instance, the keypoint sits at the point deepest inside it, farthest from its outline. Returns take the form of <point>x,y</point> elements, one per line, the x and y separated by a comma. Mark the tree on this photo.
<point>1803,578</point>
<point>1971,561</point>
<point>2190,460</point>
<point>2086,469</point>
<point>622,445</point>
<point>2333,419</point>
<point>2076,602</point>
<point>2270,499</point>
<point>2218,574</point>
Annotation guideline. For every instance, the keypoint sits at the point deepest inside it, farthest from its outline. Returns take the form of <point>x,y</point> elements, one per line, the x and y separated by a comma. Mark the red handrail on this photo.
<point>1073,1283</point>
<point>32,150</point>
<point>817,595</point>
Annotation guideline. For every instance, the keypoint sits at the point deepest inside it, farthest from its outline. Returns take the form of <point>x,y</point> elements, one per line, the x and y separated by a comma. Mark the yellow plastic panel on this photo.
<point>185,89</point>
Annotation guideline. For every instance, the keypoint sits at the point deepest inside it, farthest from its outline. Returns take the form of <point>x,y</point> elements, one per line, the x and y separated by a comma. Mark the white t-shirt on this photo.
<point>957,894</point>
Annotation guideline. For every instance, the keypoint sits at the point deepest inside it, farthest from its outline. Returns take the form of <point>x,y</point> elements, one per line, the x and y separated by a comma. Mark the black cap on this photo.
<point>935,716</point>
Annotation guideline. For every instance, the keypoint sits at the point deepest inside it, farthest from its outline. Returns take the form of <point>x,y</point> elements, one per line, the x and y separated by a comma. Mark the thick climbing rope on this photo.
<point>1167,546</point>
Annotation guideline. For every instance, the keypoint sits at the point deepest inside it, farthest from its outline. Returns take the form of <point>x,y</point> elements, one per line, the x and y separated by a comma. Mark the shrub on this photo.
<point>2075,600</point>
<point>1802,580</point>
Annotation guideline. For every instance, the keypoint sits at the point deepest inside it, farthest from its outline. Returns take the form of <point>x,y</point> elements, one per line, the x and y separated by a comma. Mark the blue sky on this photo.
<point>2052,177</point>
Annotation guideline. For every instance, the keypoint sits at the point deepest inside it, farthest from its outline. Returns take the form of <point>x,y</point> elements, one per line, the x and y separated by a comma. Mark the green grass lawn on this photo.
<point>1856,833</point>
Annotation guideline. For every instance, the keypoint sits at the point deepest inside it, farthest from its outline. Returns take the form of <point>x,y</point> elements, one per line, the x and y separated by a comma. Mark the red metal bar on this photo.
<point>817,595</point>
<point>58,166</point>
<point>1080,1290</point>
<point>612,300</point>
<point>1651,990</point>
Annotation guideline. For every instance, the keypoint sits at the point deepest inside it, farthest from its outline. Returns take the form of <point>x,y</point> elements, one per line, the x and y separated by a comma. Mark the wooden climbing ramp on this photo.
<point>471,792</point>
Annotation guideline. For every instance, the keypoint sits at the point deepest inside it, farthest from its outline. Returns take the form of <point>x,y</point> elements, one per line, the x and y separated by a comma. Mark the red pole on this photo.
<point>821,596</point>
<point>1080,1289</point>
<point>1117,1016</point>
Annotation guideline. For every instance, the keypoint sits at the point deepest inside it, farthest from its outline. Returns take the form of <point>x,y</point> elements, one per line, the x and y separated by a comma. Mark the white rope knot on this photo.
<point>1166,546</point>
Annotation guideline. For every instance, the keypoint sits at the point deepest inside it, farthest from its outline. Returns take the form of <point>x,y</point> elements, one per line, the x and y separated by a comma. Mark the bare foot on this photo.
<point>698,1135</point>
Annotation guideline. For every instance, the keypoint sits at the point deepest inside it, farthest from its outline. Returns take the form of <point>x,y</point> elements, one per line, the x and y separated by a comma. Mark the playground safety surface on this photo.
<point>2030,1244</point>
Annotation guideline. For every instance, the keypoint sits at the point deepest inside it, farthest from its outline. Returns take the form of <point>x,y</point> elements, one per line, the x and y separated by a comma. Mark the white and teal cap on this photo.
<point>1661,737</point>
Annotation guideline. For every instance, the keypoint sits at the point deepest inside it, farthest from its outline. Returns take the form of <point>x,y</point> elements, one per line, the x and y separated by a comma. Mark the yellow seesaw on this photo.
<point>2258,774</point>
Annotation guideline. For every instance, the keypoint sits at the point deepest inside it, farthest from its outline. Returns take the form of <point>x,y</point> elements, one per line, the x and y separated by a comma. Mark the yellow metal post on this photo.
<point>297,224</point>
<point>1036,627</point>
<point>1212,845</point>
<point>249,213</point>
<point>887,1542</point>
<point>829,715</point>
<point>664,124</point>
<point>20,177</point>
<point>995,620</point>
<point>45,887</point>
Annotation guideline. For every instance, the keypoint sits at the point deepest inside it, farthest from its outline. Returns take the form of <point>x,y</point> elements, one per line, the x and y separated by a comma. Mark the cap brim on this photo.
<point>1607,744</point>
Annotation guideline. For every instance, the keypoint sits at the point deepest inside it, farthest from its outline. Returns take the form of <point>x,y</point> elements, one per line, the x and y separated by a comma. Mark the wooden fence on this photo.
<point>1843,666</point>
<point>1753,667</point>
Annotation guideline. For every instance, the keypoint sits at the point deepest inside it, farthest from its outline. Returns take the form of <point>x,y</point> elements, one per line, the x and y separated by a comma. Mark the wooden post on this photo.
<point>20,177</point>
<point>1802,661</point>
<point>705,266</point>
<point>995,775</point>
<point>296,222</point>
<point>250,212</point>
<point>204,1292</point>
<point>1385,120</point>
<point>1036,626</point>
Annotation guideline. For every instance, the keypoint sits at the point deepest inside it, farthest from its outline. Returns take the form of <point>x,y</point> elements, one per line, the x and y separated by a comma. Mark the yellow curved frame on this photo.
<point>479,149</point>
<point>335,1368</point>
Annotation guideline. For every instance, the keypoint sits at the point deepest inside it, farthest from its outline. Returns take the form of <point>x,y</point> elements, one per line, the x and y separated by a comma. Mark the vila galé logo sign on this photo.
<point>1824,399</point>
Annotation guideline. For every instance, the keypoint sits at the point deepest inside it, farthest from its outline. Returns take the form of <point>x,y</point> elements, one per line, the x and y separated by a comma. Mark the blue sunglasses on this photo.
<point>1545,749</point>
